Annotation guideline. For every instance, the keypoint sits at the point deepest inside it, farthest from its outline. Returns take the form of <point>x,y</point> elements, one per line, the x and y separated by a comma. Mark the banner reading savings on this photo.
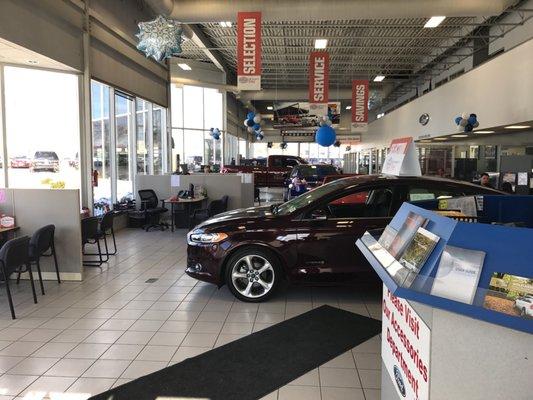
<point>405,347</point>
<point>249,51</point>
<point>318,83</point>
<point>359,105</point>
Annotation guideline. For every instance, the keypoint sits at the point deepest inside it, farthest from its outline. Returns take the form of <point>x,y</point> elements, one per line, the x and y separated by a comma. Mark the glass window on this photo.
<point>177,148</point>
<point>417,193</point>
<point>194,151</point>
<point>101,146</point>
<point>42,128</point>
<point>123,132</point>
<point>142,119</point>
<point>159,129</point>
<point>193,107</point>
<point>362,204</point>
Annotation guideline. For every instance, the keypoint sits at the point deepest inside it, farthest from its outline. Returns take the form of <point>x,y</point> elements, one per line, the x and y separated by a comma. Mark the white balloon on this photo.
<point>325,118</point>
<point>250,129</point>
<point>322,123</point>
<point>465,115</point>
<point>463,122</point>
<point>476,124</point>
<point>257,118</point>
<point>460,128</point>
<point>246,122</point>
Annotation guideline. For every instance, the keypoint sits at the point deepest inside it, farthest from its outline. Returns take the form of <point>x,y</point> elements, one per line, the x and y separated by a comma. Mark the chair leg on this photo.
<point>55,262</point>
<point>32,283</point>
<point>106,249</point>
<point>99,251</point>
<point>38,265</point>
<point>114,242</point>
<point>9,298</point>
<point>18,276</point>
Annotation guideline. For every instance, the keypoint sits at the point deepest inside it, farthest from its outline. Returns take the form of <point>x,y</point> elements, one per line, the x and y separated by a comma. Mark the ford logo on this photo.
<point>399,380</point>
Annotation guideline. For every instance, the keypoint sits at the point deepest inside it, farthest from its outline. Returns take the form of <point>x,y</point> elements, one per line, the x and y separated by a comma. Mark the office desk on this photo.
<point>187,203</point>
<point>4,233</point>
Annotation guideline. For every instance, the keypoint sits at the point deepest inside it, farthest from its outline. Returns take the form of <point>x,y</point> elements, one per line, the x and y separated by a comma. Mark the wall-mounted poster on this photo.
<point>293,115</point>
<point>509,177</point>
<point>522,179</point>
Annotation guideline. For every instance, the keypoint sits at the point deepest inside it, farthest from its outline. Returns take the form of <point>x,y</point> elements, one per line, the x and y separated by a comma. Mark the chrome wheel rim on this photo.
<point>252,276</point>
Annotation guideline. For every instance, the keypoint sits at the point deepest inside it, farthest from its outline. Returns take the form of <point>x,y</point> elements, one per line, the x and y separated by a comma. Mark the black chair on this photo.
<point>41,242</point>
<point>106,229</point>
<point>257,195</point>
<point>152,210</point>
<point>90,234</point>
<point>215,207</point>
<point>14,255</point>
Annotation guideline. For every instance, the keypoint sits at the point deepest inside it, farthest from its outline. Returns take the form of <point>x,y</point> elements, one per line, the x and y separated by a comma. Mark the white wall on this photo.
<point>500,92</point>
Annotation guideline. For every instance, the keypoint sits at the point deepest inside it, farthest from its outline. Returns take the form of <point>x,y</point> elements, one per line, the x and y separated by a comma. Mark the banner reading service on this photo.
<point>405,347</point>
<point>318,83</point>
<point>249,51</point>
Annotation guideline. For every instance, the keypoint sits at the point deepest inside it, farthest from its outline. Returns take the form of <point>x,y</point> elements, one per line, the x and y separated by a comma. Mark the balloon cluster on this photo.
<point>467,122</point>
<point>270,144</point>
<point>215,133</point>
<point>283,145</point>
<point>325,135</point>
<point>253,125</point>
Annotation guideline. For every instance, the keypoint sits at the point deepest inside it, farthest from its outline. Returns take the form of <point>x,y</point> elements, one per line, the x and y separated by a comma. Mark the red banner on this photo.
<point>318,83</point>
<point>249,50</point>
<point>359,105</point>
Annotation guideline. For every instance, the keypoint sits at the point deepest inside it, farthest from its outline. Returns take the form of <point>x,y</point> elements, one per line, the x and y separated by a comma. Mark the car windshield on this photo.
<point>320,170</point>
<point>47,155</point>
<point>301,201</point>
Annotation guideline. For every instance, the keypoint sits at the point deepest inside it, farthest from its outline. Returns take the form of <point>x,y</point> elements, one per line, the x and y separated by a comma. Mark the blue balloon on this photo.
<point>250,122</point>
<point>458,120</point>
<point>468,127</point>
<point>216,131</point>
<point>216,136</point>
<point>472,120</point>
<point>250,115</point>
<point>256,127</point>
<point>325,136</point>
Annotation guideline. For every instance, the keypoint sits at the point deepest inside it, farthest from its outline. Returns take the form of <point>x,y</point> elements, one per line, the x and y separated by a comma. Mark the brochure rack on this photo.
<point>471,352</point>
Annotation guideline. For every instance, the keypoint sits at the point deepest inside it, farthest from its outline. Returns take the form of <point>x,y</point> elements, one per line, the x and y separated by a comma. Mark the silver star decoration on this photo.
<point>160,38</point>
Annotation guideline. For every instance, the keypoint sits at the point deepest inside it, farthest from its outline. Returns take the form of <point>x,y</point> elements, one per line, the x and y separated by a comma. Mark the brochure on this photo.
<point>510,294</point>
<point>386,238</point>
<point>416,254</point>
<point>406,233</point>
<point>458,274</point>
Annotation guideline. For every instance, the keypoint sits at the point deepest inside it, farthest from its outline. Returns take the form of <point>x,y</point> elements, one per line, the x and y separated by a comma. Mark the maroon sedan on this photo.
<point>310,239</point>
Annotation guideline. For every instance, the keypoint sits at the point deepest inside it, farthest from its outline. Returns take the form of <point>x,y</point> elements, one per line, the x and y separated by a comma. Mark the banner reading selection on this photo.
<point>359,105</point>
<point>318,83</point>
<point>249,51</point>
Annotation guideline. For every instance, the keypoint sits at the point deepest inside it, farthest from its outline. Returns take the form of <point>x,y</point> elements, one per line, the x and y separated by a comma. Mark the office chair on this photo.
<point>14,255</point>
<point>106,229</point>
<point>41,241</point>
<point>91,235</point>
<point>152,210</point>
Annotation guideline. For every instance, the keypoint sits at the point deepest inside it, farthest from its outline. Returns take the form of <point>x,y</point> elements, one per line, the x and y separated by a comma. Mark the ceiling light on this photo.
<point>459,135</point>
<point>33,62</point>
<point>270,108</point>
<point>225,24</point>
<point>348,107</point>
<point>321,43</point>
<point>517,127</point>
<point>440,138</point>
<point>379,78</point>
<point>433,22</point>
<point>483,131</point>
<point>184,66</point>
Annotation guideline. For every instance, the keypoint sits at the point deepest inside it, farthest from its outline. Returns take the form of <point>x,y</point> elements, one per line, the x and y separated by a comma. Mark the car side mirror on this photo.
<point>319,215</point>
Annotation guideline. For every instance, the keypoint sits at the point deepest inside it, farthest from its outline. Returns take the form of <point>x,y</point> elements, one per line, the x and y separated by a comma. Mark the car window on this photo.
<point>417,193</point>
<point>276,162</point>
<point>372,203</point>
<point>291,162</point>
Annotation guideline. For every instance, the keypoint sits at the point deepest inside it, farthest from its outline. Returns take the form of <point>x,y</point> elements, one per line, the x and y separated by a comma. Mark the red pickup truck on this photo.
<point>273,174</point>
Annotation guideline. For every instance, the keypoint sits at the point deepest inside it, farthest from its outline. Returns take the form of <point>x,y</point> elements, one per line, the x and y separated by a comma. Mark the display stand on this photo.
<point>470,352</point>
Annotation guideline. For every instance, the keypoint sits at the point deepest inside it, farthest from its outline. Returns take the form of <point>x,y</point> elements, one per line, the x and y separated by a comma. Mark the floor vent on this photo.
<point>151,280</point>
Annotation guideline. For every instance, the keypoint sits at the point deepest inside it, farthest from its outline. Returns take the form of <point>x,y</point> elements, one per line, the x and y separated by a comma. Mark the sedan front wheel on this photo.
<point>253,274</point>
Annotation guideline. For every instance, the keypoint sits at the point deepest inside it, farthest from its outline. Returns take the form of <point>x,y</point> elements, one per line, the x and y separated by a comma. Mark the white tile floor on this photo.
<point>84,338</point>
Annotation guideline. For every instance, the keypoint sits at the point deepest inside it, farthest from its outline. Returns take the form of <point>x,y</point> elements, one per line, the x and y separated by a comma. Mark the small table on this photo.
<point>186,202</point>
<point>4,232</point>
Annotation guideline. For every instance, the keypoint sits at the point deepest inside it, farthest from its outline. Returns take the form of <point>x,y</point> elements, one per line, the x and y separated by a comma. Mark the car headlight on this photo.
<point>201,237</point>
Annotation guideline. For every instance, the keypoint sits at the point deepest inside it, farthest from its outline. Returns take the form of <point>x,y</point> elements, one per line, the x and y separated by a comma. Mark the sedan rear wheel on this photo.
<point>252,275</point>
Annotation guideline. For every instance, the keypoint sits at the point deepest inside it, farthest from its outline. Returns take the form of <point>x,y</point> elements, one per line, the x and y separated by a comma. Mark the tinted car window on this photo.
<point>304,200</point>
<point>320,170</point>
<point>361,204</point>
<point>291,162</point>
<point>417,193</point>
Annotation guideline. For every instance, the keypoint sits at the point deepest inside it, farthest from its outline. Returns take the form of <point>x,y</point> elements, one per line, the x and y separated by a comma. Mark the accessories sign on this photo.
<point>249,51</point>
<point>405,347</point>
<point>318,83</point>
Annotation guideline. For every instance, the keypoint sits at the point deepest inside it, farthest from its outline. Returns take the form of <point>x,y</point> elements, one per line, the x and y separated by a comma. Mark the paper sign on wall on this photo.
<point>359,106</point>
<point>318,83</point>
<point>175,180</point>
<point>402,158</point>
<point>249,51</point>
<point>405,348</point>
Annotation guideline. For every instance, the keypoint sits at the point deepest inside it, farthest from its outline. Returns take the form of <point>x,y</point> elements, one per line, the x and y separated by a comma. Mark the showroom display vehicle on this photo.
<point>308,240</point>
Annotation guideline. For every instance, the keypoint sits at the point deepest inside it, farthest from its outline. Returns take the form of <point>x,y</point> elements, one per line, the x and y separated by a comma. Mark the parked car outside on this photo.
<point>309,239</point>
<point>45,161</point>
<point>312,174</point>
<point>524,304</point>
<point>20,162</point>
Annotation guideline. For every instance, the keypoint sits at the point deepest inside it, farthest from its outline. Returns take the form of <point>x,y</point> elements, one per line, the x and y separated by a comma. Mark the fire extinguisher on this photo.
<point>95,178</point>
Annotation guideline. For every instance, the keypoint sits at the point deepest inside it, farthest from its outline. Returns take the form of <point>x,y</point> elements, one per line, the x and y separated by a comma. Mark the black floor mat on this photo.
<point>254,366</point>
